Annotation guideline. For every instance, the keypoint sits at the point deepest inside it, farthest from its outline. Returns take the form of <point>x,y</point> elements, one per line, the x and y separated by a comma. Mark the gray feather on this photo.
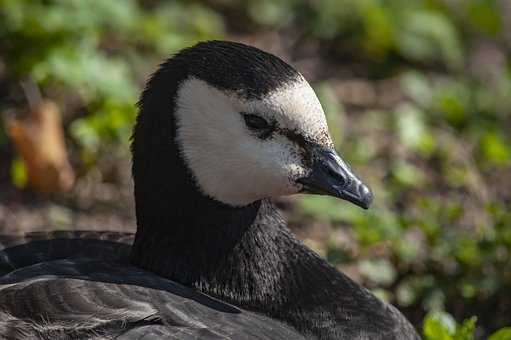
<point>74,293</point>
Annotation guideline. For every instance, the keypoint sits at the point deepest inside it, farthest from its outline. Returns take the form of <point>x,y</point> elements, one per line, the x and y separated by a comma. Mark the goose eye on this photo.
<point>254,122</point>
<point>258,125</point>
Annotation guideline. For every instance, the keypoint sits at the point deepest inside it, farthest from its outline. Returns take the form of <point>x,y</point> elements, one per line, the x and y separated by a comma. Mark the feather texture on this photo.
<point>80,295</point>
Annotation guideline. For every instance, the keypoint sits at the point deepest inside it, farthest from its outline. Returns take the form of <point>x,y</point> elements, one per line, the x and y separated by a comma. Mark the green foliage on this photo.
<point>438,159</point>
<point>90,51</point>
<point>502,334</point>
<point>441,326</point>
<point>443,229</point>
<point>435,206</point>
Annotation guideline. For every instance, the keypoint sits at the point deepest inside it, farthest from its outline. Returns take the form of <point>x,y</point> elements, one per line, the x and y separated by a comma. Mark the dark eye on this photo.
<point>258,124</point>
<point>255,122</point>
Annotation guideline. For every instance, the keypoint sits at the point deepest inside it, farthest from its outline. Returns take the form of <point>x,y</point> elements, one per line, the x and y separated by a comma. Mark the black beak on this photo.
<point>331,176</point>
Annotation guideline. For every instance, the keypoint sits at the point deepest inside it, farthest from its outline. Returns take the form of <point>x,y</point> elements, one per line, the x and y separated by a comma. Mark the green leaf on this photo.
<point>501,334</point>
<point>19,175</point>
<point>417,87</point>
<point>380,271</point>
<point>439,326</point>
<point>426,34</point>
<point>486,16</point>
<point>85,135</point>
<point>271,12</point>
<point>453,100</point>
<point>379,28</point>
<point>406,294</point>
<point>466,330</point>
<point>496,150</point>
<point>333,17</point>
<point>408,174</point>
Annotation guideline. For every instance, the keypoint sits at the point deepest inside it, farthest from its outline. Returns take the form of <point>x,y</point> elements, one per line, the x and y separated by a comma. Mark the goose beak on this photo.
<point>331,176</point>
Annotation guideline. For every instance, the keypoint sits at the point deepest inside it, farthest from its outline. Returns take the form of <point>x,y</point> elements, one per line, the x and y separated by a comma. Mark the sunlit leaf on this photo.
<point>439,326</point>
<point>495,149</point>
<point>417,87</point>
<point>466,330</point>
<point>501,334</point>
<point>425,33</point>
<point>19,176</point>
<point>378,271</point>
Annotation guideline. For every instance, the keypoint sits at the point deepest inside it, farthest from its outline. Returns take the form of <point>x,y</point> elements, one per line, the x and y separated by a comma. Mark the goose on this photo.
<point>222,128</point>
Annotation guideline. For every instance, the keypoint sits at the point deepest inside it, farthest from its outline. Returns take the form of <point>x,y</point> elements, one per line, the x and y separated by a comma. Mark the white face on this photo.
<point>230,162</point>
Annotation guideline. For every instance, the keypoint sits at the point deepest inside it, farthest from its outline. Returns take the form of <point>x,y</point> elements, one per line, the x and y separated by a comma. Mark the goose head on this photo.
<point>248,126</point>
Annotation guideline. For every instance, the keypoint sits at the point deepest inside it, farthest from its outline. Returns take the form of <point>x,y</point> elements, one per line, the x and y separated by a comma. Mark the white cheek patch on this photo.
<point>231,164</point>
<point>228,163</point>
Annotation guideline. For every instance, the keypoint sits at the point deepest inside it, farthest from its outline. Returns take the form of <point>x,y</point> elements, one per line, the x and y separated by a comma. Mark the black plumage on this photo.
<point>198,268</point>
<point>79,285</point>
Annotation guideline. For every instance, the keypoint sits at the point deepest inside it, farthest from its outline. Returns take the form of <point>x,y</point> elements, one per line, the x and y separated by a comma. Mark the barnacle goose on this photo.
<point>222,127</point>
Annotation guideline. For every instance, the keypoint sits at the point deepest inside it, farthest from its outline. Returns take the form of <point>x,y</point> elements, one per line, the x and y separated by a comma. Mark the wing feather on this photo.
<point>68,292</point>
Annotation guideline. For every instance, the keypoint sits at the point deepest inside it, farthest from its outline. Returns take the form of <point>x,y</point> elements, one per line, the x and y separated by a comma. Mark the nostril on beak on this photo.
<point>338,174</point>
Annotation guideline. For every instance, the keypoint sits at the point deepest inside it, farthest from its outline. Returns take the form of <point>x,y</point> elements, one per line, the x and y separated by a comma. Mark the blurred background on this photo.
<point>418,98</point>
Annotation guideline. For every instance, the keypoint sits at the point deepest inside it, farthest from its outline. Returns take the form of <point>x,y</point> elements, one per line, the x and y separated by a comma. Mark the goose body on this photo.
<point>222,127</point>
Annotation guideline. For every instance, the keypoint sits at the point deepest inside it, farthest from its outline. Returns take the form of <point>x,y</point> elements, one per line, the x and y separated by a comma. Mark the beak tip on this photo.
<point>366,196</point>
